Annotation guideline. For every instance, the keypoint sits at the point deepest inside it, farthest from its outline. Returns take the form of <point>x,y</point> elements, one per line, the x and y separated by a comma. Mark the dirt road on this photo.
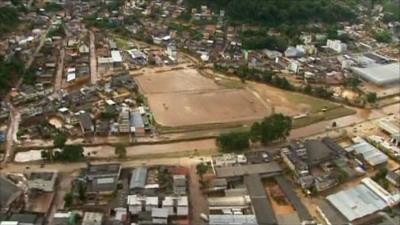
<point>15,119</point>
<point>60,69</point>
<point>72,167</point>
<point>198,202</point>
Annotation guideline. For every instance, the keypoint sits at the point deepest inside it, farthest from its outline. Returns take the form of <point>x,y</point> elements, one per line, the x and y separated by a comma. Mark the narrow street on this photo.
<point>60,69</point>
<point>93,64</point>
<point>11,138</point>
<point>198,202</point>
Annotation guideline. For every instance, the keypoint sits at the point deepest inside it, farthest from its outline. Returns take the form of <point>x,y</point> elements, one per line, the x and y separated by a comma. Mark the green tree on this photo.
<point>201,169</point>
<point>70,153</point>
<point>353,82</point>
<point>233,141</point>
<point>82,191</point>
<point>59,140</point>
<point>372,97</point>
<point>274,127</point>
<point>383,36</point>
<point>45,154</point>
<point>120,151</point>
<point>68,199</point>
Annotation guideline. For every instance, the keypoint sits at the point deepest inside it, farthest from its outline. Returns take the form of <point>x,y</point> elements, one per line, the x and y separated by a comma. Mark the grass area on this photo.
<point>330,114</point>
<point>230,84</point>
<point>316,104</point>
<point>121,42</point>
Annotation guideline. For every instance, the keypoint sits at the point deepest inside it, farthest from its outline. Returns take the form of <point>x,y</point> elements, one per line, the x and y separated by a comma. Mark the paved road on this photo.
<point>93,64</point>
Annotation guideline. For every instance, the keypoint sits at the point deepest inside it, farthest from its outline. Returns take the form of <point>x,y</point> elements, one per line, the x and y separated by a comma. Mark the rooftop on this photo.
<point>356,202</point>
<point>138,178</point>
<point>381,74</point>
<point>9,192</point>
<point>233,171</point>
<point>261,203</point>
<point>369,153</point>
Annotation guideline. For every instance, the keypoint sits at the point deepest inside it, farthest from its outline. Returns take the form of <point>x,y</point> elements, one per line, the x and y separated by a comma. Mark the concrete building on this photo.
<point>42,181</point>
<point>102,178</point>
<point>179,184</point>
<point>336,45</point>
<point>92,218</point>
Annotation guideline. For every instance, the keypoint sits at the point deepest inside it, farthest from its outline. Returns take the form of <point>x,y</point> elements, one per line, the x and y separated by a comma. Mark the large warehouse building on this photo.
<point>379,74</point>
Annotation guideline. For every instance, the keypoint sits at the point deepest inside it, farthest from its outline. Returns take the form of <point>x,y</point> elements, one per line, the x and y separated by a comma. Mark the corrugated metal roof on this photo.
<point>138,179</point>
<point>370,154</point>
<point>357,202</point>
<point>232,219</point>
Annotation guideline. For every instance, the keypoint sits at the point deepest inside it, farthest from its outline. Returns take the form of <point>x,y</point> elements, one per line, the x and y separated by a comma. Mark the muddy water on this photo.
<point>361,115</point>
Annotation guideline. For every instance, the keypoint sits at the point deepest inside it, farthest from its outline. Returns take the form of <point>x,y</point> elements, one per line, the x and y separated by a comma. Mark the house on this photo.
<point>336,45</point>
<point>86,123</point>
<point>124,122</point>
<point>179,184</point>
<point>138,180</point>
<point>137,123</point>
<point>101,178</point>
<point>11,196</point>
<point>159,216</point>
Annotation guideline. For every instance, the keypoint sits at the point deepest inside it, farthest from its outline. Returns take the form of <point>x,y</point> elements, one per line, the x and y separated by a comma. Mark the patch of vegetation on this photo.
<point>8,19</point>
<point>9,70</point>
<point>383,36</point>
<point>272,128</point>
<point>264,76</point>
<point>274,13</point>
<point>233,141</point>
<point>120,151</point>
<point>69,153</point>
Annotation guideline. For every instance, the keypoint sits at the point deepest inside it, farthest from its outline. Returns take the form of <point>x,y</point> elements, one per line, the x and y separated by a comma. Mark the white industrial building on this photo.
<point>379,74</point>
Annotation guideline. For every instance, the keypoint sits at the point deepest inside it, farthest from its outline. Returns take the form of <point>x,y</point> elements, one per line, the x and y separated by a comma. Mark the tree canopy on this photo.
<point>233,141</point>
<point>274,13</point>
<point>8,19</point>
<point>70,153</point>
<point>271,128</point>
<point>120,151</point>
<point>59,140</point>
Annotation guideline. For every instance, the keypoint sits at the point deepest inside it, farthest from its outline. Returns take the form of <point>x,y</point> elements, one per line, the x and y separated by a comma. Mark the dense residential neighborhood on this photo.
<point>193,112</point>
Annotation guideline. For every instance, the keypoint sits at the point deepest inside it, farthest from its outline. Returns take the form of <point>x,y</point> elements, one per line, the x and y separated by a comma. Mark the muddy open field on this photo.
<point>175,81</point>
<point>184,98</point>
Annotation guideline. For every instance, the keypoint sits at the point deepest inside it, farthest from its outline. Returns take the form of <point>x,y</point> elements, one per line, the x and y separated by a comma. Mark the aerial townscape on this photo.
<point>196,112</point>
